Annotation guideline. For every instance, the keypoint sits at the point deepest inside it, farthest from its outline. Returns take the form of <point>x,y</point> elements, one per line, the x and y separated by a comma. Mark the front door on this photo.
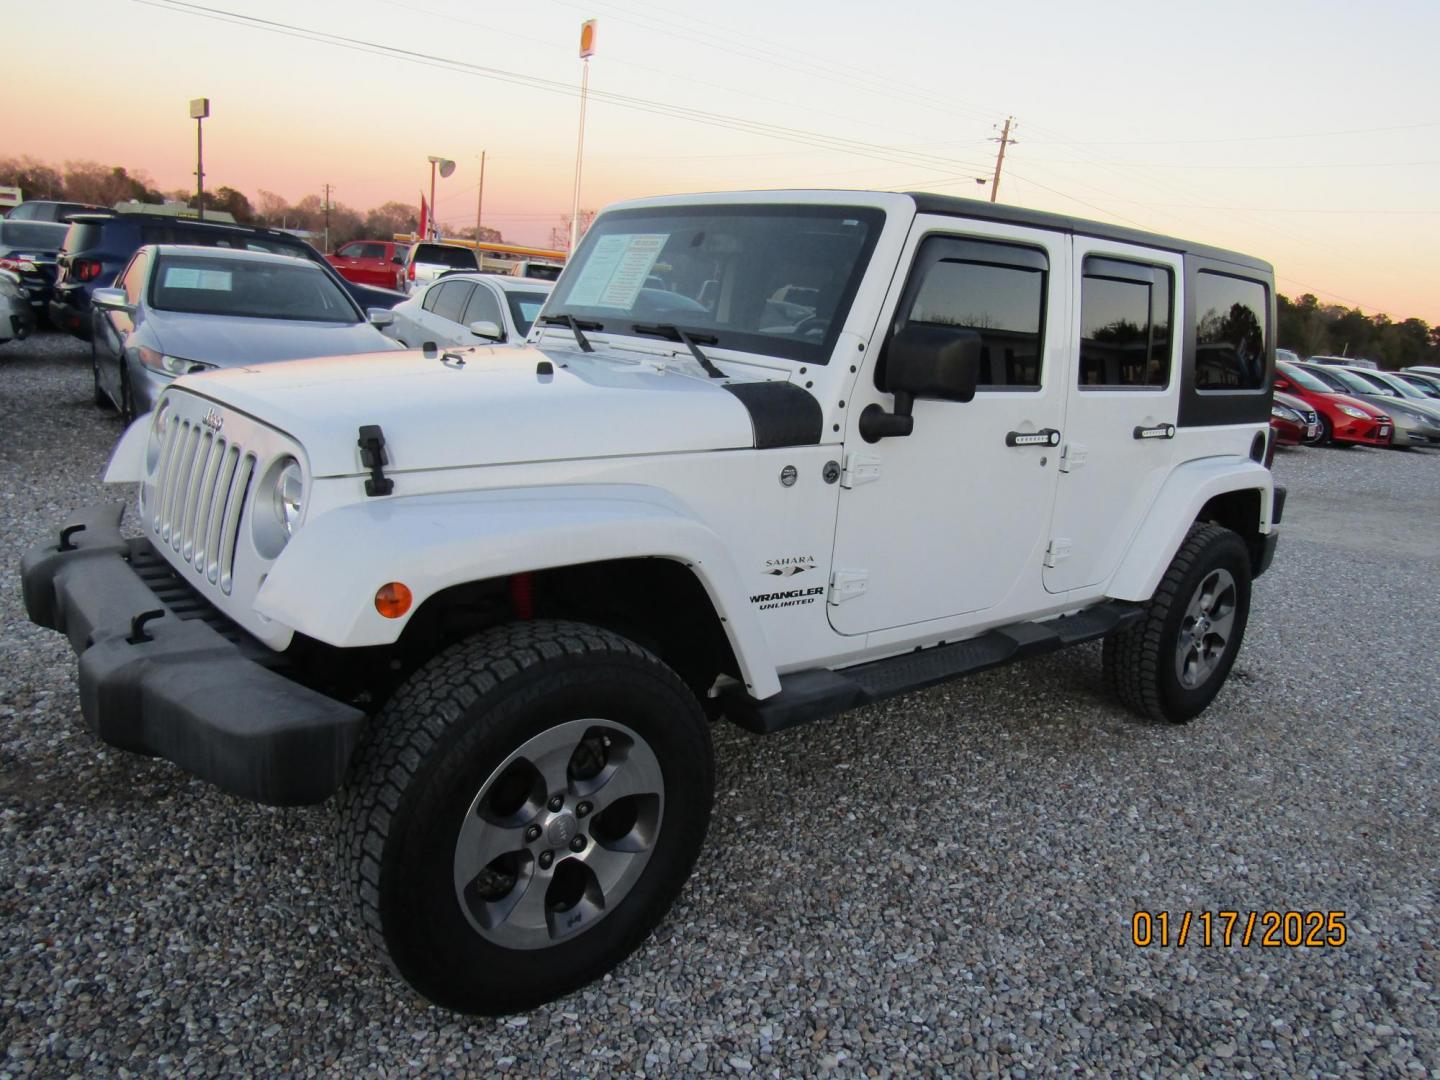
<point>1120,415</point>
<point>952,518</point>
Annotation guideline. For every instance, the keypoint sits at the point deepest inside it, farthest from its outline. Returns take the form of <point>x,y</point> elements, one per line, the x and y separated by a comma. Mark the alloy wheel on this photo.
<point>559,833</point>
<point>1206,629</point>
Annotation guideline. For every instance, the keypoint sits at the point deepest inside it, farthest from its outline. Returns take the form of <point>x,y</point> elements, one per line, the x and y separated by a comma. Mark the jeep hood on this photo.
<point>492,408</point>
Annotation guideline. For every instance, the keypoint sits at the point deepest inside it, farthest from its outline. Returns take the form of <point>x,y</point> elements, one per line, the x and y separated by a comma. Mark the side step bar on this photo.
<point>811,695</point>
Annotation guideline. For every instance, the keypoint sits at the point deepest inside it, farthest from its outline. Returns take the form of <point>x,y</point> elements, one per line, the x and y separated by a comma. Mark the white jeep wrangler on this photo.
<point>767,456</point>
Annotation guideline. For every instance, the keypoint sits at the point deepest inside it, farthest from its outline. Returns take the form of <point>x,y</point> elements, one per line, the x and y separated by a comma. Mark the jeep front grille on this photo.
<point>201,485</point>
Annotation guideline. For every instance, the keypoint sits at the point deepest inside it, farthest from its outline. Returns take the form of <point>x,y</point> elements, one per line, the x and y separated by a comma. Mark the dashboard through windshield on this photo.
<point>771,279</point>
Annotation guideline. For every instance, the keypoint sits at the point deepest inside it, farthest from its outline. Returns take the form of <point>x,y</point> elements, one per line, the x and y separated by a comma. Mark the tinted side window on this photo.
<point>483,307</point>
<point>1124,325</point>
<point>431,295</point>
<point>133,279</point>
<point>1229,332</point>
<point>997,290</point>
<point>452,298</point>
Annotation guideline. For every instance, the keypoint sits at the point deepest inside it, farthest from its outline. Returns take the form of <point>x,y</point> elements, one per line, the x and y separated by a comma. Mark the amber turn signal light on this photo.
<point>393,599</point>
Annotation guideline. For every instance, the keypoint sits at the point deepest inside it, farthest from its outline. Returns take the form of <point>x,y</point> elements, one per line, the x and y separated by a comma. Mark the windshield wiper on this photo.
<point>673,333</point>
<point>576,326</point>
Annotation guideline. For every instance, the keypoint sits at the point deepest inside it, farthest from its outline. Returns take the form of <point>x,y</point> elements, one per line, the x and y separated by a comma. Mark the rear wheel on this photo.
<point>523,813</point>
<point>1171,663</point>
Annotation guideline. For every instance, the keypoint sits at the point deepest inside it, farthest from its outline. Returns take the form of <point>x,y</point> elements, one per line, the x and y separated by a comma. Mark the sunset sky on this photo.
<point>1304,133</point>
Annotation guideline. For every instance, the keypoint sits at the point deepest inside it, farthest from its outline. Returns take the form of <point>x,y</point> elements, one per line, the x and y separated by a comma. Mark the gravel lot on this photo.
<point>942,883</point>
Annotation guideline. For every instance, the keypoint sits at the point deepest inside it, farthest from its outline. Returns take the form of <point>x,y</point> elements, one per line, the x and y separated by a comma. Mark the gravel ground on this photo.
<point>942,883</point>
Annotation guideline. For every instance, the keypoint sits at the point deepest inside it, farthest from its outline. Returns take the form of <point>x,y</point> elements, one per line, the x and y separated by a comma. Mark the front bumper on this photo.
<point>187,686</point>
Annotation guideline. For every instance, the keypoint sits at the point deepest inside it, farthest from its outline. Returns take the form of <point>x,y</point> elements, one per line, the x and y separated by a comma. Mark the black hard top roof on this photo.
<point>952,206</point>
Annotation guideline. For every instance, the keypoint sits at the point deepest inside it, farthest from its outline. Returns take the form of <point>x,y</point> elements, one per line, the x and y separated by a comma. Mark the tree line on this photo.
<point>106,185</point>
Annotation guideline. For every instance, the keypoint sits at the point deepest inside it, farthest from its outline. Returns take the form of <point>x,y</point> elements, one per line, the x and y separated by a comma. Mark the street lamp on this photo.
<point>199,110</point>
<point>446,167</point>
<point>587,50</point>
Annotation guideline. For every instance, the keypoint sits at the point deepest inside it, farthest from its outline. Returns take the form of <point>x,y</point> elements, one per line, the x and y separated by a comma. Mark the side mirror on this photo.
<point>380,318</point>
<point>1282,383</point>
<point>114,299</point>
<point>923,361</point>
<point>398,260</point>
<point>487,330</point>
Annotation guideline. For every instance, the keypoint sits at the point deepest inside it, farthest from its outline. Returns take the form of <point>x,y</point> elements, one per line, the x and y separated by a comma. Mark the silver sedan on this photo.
<point>177,309</point>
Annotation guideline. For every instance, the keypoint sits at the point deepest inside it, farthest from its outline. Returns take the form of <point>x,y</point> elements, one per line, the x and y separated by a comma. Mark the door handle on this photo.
<point>1159,431</point>
<point>1043,437</point>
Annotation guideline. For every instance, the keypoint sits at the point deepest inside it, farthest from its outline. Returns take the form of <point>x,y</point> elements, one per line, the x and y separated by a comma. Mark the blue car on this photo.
<point>99,245</point>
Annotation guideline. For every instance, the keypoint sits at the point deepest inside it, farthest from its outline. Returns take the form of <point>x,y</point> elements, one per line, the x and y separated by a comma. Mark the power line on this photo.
<point>753,127</point>
<point>1256,138</point>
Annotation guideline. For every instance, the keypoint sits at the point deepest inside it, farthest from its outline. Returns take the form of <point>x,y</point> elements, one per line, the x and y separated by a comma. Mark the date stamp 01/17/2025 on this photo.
<point>1267,929</point>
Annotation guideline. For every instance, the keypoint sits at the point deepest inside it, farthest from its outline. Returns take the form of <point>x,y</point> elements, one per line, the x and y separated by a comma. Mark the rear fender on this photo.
<point>1186,491</point>
<point>324,582</point>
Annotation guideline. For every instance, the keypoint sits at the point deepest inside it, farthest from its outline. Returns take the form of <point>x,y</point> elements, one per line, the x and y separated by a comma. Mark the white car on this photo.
<point>765,455</point>
<point>429,259</point>
<point>470,309</point>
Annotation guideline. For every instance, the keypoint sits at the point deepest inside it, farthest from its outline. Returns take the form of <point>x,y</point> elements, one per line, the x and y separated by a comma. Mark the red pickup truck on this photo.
<point>367,262</point>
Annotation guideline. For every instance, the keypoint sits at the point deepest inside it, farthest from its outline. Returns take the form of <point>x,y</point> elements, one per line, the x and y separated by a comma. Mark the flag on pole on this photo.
<point>587,39</point>
<point>424,219</point>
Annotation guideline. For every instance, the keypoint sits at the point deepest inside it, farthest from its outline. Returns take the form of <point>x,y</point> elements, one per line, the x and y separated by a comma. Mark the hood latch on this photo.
<point>373,457</point>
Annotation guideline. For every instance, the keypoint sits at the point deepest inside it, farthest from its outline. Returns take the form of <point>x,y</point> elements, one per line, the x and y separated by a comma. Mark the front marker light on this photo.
<point>288,496</point>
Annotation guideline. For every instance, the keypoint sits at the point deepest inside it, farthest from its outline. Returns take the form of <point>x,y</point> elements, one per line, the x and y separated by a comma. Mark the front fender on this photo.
<point>324,582</point>
<point>127,460</point>
<point>1186,491</point>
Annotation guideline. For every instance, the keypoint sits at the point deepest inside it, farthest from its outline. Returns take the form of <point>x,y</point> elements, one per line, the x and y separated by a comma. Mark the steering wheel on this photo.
<point>809,323</point>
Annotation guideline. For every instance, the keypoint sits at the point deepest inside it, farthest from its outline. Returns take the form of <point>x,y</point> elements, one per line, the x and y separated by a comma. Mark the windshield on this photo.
<point>1358,384</point>
<point>456,258</point>
<point>38,235</point>
<point>251,288</point>
<point>1301,377</point>
<point>1428,389</point>
<point>1400,386</point>
<point>769,279</point>
<point>524,306</point>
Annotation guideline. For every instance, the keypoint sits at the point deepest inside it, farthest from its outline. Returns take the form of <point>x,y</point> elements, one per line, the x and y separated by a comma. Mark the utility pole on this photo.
<point>1004,141</point>
<point>327,217</point>
<point>480,199</point>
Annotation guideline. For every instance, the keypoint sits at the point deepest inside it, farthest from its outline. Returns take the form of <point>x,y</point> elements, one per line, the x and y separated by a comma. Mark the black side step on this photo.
<point>810,695</point>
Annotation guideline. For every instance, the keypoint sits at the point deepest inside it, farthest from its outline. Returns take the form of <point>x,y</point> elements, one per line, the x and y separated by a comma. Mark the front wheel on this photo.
<point>523,813</point>
<point>1172,662</point>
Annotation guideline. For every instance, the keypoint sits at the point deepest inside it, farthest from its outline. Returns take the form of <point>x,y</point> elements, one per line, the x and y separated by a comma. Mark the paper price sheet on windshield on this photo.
<point>189,277</point>
<point>616,270</point>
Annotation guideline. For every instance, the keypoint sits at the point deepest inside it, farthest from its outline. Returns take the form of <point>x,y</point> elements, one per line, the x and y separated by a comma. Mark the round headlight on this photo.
<point>289,496</point>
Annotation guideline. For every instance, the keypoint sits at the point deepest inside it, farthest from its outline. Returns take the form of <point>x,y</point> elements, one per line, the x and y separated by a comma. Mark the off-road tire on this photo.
<point>1139,661</point>
<point>432,746</point>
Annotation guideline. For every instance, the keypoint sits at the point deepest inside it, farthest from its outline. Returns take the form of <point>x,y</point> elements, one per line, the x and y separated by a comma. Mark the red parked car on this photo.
<point>1344,420</point>
<point>1293,420</point>
<point>367,262</point>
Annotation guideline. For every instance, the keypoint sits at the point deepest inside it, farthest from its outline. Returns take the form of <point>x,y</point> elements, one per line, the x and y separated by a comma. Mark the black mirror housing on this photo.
<point>925,361</point>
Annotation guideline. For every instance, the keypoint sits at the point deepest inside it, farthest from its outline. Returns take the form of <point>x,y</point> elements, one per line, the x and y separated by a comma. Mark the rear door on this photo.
<point>1121,407</point>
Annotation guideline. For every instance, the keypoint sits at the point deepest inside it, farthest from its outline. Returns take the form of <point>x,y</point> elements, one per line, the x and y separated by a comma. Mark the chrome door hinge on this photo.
<point>1059,549</point>
<point>1073,456</point>
<point>848,584</point>
<point>859,469</point>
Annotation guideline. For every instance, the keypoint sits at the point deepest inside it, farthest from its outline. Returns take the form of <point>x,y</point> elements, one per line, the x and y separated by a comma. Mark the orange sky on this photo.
<point>1303,133</point>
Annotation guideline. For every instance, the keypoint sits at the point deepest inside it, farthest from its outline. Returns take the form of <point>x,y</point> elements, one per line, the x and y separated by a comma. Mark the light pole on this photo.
<point>199,110</point>
<point>446,167</point>
<point>587,49</point>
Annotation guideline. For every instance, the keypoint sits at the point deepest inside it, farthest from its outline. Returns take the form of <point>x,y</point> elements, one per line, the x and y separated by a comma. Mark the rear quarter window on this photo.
<point>1231,324</point>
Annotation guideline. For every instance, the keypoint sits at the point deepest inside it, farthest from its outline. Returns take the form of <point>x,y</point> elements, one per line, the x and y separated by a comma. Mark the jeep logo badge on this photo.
<point>213,420</point>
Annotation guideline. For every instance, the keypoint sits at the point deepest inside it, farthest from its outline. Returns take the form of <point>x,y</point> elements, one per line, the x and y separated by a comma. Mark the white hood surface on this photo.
<point>494,408</point>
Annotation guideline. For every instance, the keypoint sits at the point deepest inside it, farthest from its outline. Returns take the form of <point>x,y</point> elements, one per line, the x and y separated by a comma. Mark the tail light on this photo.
<point>410,273</point>
<point>85,269</point>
